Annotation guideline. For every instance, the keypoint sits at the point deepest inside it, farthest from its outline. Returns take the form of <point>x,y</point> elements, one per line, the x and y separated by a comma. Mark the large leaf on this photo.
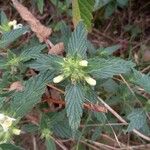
<point>34,88</point>
<point>47,62</point>
<point>82,11</point>
<point>107,68</point>
<point>74,100</point>
<point>137,119</point>
<point>11,36</point>
<point>78,41</point>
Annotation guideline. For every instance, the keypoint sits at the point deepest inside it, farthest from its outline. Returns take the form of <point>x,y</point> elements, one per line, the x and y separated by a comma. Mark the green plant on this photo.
<point>81,78</point>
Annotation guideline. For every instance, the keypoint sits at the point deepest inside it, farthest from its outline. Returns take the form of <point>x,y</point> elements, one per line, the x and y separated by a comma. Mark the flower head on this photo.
<point>6,121</point>
<point>15,25</point>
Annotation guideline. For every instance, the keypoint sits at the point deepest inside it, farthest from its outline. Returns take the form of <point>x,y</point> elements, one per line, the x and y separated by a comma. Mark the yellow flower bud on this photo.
<point>6,121</point>
<point>58,79</point>
<point>90,81</point>
<point>83,63</point>
<point>12,23</point>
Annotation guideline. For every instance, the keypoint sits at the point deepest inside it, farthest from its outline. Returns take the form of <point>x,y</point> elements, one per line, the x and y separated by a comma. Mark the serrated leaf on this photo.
<point>50,144</point>
<point>82,11</point>
<point>8,146</point>
<point>11,36</point>
<point>74,100</point>
<point>31,52</point>
<point>78,41</point>
<point>24,101</point>
<point>137,119</point>
<point>47,62</point>
<point>142,80</point>
<point>107,68</point>
<point>109,50</point>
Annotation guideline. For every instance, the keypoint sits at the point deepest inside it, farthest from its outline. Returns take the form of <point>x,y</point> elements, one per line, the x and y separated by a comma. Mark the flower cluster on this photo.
<point>75,69</point>
<point>15,25</point>
<point>6,122</point>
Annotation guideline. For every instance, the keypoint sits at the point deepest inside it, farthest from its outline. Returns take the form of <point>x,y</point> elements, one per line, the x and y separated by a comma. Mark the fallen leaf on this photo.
<point>16,86</point>
<point>57,49</point>
<point>146,56</point>
<point>40,30</point>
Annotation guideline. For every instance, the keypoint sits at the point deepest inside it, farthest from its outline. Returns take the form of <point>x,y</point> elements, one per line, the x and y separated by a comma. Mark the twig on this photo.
<point>59,143</point>
<point>100,145</point>
<point>122,120</point>
<point>97,125</point>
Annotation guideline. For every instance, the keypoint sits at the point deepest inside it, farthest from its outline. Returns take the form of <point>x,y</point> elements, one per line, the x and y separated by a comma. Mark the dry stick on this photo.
<point>122,120</point>
<point>59,144</point>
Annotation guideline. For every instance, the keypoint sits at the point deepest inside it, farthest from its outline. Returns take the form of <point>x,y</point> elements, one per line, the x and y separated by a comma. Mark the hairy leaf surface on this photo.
<point>74,100</point>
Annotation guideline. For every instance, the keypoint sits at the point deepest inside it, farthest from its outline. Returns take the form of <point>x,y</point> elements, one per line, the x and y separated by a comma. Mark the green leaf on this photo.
<point>50,144</point>
<point>11,36</point>
<point>3,18</point>
<point>24,101</point>
<point>100,3</point>
<point>110,9</point>
<point>31,52</point>
<point>74,100</point>
<point>122,3</point>
<point>107,68</point>
<point>30,128</point>
<point>82,11</point>
<point>8,146</point>
<point>78,41</point>
<point>2,100</point>
<point>137,119</point>
<point>47,62</point>
<point>109,50</point>
<point>142,80</point>
<point>40,4</point>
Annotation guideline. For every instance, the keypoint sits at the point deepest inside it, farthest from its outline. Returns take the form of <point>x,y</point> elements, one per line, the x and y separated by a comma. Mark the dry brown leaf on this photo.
<point>146,56</point>
<point>16,86</point>
<point>40,30</point>
<point>57,49</point>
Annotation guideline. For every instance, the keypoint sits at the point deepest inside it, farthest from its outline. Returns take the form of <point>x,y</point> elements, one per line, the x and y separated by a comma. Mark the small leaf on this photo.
<point>122,3</point>
<point>11,36</point>
<point>82,11</point>
<point>109,50</point>
<point>78,41</point>
<point>137,119</point>
<point>40,4</point>
<point>3,18</point>
<point>142,80</point>
<point>50,144</point>
<point>74,100</point>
